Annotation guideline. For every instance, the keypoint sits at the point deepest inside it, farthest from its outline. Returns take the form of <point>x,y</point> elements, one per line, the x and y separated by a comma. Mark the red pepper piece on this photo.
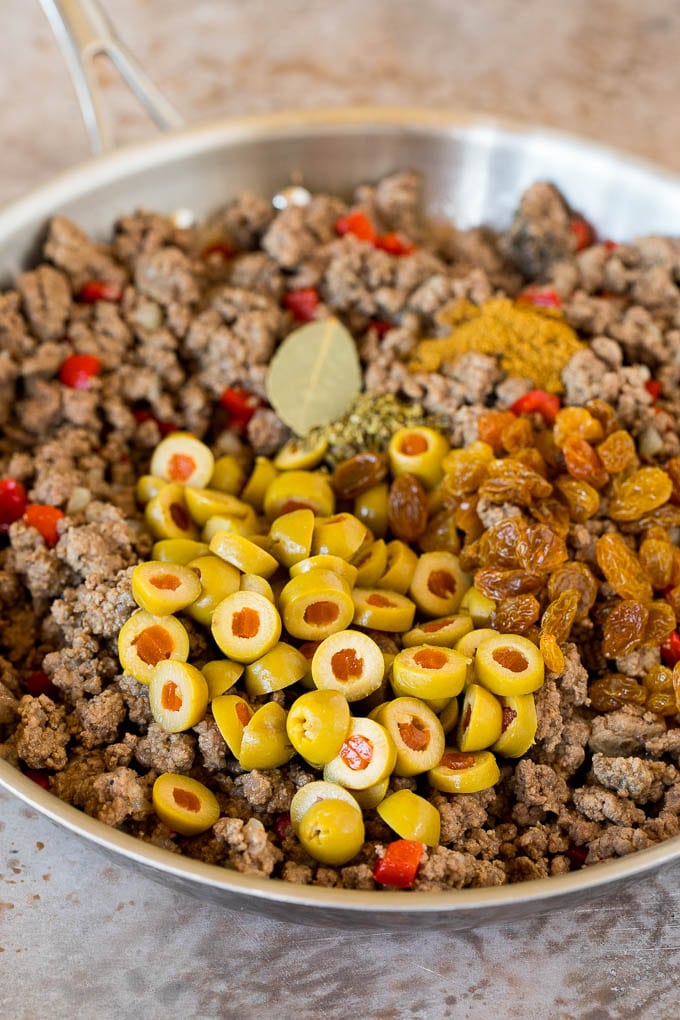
<point>610,245</point>
<point>538,402</point>
<point>220,248</point>
<point>543,297</point>
<point>381,327</point>
<point>39,683</point>
<point>358,224</point>
<point>99,290</point>
<point>653,387</point>
<point>164,427</point>
<point>12,502</point>
<point>583,233</point>
<point>302,303</point>
<point>399,864</point>
<point>240,405</point>
<point>78,371</point>
<point>282,825</point>
<point>44,519</point>
<point>395,244</point>
<point>577,855</point>
<point>670,649</point>
<point>39,777</point>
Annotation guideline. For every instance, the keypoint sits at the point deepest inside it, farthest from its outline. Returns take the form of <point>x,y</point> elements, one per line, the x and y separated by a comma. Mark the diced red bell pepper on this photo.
<point>44,519</point>
<point>78,371</point>
<point>399,864</point>
<point>220,248</point>
<point>538,402</point>
<point>395,244</point>
<point>543,297</point>
<point>39,683</point>
<point>381,327</point>
<point>282,825</point>
<point>610,245</point>
<point>577,855</point>
<point>164,427</point>
<point>99,290</point>
<point>303,303</point>
<point>39,777</point>
<point>583,232</point>
<point>240,405</point>
<point>12,502</point>
<point>653,387</point>
<point>358,224</point>
<point>670,649</point>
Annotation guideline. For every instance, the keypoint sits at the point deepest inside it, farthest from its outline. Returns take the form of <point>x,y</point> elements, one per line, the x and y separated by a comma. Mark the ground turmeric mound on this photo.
<point>529,340</point>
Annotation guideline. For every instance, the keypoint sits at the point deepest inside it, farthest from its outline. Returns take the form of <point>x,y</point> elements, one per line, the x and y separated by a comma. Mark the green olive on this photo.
<point>411,817</point>
<point>518,727</point>
<point>317,725</point>
<point>481,719</point>
<point>265,743</point>
<point>332,832</point>
<point>312,793</point>
<point>509,664</point>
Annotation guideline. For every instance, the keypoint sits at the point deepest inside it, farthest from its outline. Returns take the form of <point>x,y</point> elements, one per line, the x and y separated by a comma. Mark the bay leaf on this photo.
<point>314,375</point>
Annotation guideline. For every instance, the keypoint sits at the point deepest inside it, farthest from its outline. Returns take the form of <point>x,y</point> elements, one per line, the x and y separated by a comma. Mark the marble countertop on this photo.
<point>82,936</point>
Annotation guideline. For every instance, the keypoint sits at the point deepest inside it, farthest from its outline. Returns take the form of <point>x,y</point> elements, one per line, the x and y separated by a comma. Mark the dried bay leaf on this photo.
<point>314,375</point>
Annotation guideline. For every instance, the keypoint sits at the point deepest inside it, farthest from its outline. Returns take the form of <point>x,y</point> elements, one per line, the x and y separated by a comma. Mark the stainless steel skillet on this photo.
<point>475,170</point>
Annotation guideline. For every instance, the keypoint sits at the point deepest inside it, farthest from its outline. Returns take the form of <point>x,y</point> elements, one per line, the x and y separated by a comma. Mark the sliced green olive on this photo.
<point>216,579</point>
<point>265,743</point>
<point>429,671</point>
<point>183,458</point>
<point>411,817</point>
<point>164,588</point>
<point>282,666</point>
<point>518,727</point>
<point>509,664</point>
<point>438,583</point>
<point>464,772</point>
<point>445,630</point>
<point>416,732</point>
<point>366,756</point>
<point>231,714</point>
<point>317,725</point>
<point>350,663</point>
<point>291,536</point>
<point>178,695</point>
<point>245,625</point>
<point>203,504</point>
<point>221,675</point>
<point>145,640</point>
<point>481,719</point>
<point>371,563</point>
<point>480,608</point>
<point>228,475</point>
<point>178,550</point>
<point>184,804</point>
<point>166,514</point>
<point>294,490</point>
<point>312,793</point>
<point>332,832</point>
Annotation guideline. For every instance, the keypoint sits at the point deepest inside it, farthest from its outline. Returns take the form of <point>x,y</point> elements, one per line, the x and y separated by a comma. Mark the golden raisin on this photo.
<point>624,628</point>
<point>492,425</point>
<point>407,508</point>
<point>582,462</point>
<point>661,623</point>
<point>516,615</point>
<point>357,474</point>
<point>540,550</point>
<point>517,434</point>
<point>576,577</point>
<point>581,499</point>
<point>656,559</point>
<point>501,584</point>
<point>643,491</point>
<point>510,481</point>
<point>559,617</point>
<point>605,414</point>
<point>622,569</point>
<point>498,545</point>
<point>613,690</point>
<point>576,421</point>
<point>552,653</point>
<point>530,456</point>
<point>552,513</point>
<point>617,451</point>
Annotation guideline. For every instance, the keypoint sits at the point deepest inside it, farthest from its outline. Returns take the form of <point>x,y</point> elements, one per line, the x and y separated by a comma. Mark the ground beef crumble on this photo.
<point>200,309</point>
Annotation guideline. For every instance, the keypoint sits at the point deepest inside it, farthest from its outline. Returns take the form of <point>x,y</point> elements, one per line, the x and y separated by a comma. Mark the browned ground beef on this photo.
<point>190,324</point>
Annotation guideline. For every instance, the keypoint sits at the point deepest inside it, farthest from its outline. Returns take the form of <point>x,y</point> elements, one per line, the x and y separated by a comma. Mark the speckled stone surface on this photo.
<point>82,936</point>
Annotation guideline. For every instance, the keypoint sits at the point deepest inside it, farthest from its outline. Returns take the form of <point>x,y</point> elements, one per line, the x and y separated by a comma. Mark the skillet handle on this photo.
<point>84,32</point>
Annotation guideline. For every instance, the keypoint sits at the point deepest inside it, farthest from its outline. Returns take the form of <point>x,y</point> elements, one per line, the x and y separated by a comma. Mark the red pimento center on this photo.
<point>171,697</point>
<point>154,644</point>
<point>345,663</point>
<point>430,658</point>
<point>413,444</point>
<point>434,625</point>
<point>180,516</point>
<point>321,613</point>
<point>181,466</point>
<point>379,601</point>
<point>357,752</point>
<point>243,713</point>
<point>186,799</point>
<point>166,582</point>
<point>457,760</point>
<point>442,583</point>
<point>414,734</point>
<point>245,623</point>
<point>509,715</point>
<point>510,658</point>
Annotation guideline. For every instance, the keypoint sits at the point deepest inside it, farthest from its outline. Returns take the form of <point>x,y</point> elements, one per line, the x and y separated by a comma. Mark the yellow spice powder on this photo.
<point>530,341</point>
